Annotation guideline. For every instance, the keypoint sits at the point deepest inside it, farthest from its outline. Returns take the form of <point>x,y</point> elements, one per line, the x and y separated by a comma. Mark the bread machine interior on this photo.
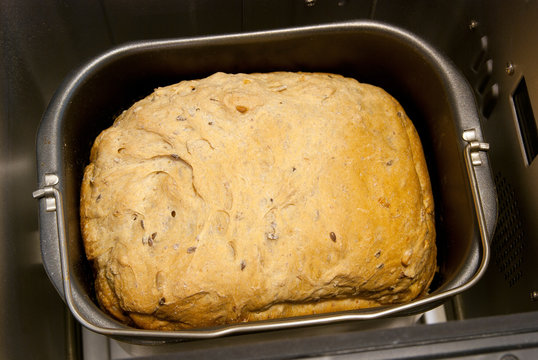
<point>432,92</point>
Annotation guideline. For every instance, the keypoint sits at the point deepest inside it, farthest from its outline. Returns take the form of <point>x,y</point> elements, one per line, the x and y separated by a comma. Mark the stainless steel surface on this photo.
<point>36,51</point>
<point>511,29</point>
<point>274,14</point>
<point>451,340</point>
<point>100,347</point>
<point>516,354</point>
<point>482,37</point>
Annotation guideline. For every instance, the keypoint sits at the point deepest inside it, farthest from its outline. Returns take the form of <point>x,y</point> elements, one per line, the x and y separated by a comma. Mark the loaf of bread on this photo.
<point>244,197</point>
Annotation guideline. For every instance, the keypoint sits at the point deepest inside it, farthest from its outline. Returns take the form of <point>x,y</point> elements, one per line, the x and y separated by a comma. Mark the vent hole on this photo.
<point>508,244</point>
<point>485,78</point>
<point>526,121</point>
<point>481,56</point>
<point>490,100</point>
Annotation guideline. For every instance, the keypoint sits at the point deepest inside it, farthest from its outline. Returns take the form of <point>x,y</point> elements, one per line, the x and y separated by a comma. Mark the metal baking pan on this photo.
<point>436,97</point>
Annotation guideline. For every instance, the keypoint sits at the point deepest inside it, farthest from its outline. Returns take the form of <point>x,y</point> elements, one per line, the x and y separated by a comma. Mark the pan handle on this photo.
<point>53,199</point>
<point>49,233</point>
<point>61,277</point>
<point>472,160</point>
<point>53,203</point>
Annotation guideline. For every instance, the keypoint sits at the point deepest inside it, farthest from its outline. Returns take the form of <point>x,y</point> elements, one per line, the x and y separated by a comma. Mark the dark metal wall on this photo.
<point>41,41</point>
<point>503,59</point>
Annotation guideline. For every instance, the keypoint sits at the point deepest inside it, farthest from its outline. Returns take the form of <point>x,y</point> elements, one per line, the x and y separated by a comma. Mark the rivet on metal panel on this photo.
<point>469,135</point>
<point>509,357</point>
<point>475,158</point>
<point>534,295</point>
<point>509,68</point>
<point>50,204</point>
<point>51,179</point>
<point>473,24</point>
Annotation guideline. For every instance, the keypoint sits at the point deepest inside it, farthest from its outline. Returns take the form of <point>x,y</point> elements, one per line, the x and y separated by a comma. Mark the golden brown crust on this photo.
<point>257,196</point>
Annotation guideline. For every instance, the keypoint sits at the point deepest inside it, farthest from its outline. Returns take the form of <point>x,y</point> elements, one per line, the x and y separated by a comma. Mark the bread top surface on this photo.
<point>256,196</point>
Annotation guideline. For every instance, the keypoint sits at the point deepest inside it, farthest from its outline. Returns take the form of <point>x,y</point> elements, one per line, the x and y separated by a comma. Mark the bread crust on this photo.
<point>244,197</point>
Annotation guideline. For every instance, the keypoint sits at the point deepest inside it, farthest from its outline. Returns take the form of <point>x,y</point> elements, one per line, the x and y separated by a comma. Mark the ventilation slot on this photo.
<point>480,57</point>
<point>526,121</point>
<point>490,100</point>
<point>485,77</point>
<point>508,244</point>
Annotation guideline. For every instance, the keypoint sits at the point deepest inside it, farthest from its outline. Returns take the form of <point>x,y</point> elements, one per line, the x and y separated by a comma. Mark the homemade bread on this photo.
<point>257,196</point>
